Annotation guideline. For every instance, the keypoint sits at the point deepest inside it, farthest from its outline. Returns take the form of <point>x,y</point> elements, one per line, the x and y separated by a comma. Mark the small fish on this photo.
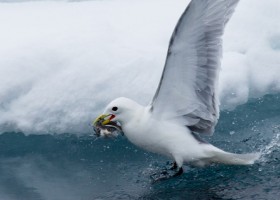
<point>111,129</point>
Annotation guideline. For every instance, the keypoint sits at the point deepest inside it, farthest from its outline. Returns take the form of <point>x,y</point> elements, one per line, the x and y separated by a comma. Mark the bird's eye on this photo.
<point>114,108</point>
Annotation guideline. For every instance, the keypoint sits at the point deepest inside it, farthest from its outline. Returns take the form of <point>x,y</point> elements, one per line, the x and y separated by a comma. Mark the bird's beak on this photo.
<point>105,118</point>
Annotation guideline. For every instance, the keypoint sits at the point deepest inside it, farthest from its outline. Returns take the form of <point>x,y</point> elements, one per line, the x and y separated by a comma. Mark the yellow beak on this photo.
<point>102,119</point>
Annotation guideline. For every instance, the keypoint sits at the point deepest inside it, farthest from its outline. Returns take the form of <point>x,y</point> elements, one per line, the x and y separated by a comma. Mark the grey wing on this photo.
<point>188,86</point>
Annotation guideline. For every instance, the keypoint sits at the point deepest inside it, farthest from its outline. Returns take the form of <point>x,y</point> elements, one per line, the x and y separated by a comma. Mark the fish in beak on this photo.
<point>104,126</point>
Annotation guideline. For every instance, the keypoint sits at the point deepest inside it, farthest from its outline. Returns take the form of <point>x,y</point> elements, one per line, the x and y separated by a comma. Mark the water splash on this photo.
<point>272,146</point>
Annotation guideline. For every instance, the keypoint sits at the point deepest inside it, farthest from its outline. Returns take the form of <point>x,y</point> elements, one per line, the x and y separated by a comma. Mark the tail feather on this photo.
<point>235,159</point>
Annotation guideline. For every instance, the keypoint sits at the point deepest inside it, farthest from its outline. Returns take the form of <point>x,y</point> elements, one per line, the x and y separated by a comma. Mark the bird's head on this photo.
<point>120,111</point>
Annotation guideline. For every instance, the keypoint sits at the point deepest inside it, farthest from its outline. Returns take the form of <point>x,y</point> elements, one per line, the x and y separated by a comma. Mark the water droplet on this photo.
<point>231,132</point>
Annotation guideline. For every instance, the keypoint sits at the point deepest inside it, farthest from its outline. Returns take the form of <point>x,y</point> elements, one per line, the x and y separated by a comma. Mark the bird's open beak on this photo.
<point>105,118</point>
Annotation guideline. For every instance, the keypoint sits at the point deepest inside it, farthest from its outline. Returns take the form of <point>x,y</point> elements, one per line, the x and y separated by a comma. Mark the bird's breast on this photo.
<point>150,135</point>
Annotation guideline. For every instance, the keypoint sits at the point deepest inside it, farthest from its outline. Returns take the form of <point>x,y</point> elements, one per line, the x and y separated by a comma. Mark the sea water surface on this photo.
<point>67,166</point>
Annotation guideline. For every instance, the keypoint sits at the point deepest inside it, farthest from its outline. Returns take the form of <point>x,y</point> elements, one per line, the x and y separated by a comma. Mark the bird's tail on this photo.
<point>221,156</point>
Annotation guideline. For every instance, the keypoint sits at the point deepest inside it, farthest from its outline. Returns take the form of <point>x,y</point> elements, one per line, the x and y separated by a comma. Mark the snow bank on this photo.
<point>61,62</point>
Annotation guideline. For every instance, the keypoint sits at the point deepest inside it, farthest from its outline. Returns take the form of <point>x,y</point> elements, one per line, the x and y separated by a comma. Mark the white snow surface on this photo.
<point>61,62</point>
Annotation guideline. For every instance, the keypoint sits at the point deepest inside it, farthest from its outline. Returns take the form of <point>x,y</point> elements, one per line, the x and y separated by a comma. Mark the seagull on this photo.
<point>185,105</point>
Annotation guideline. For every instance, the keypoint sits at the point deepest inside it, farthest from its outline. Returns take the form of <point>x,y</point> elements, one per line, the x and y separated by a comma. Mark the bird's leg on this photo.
<point>168,173</point>
<point>174,166</point>
<point>179,172</point>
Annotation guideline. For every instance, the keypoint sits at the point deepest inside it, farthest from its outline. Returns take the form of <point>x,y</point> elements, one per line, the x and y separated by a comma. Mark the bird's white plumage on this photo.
<point>186,98</point>
<point>168,137</point>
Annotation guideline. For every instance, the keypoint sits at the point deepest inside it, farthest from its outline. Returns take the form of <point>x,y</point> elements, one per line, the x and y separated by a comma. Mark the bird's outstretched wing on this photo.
<point>188,86</point>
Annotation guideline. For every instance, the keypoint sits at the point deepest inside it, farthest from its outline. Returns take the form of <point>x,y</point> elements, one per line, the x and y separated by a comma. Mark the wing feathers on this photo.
<point>187,88</point>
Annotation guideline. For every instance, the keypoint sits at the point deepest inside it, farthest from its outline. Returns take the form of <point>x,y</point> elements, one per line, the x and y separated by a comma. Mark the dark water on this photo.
<point>66,167</point>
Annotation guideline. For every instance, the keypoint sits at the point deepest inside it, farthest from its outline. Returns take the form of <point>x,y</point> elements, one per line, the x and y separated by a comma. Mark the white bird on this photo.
<point>185,104</point>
